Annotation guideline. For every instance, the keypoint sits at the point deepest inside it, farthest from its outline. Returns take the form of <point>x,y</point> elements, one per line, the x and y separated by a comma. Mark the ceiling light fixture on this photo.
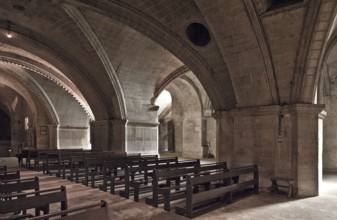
<point>9,34</point>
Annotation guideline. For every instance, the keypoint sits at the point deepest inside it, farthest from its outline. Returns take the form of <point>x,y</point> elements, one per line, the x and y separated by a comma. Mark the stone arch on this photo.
<point>35,89</point>
<point>186,115</point>
<point>222,96</point>
<point>311,51</point>
<point>327,95</point>
<point>55,65</point>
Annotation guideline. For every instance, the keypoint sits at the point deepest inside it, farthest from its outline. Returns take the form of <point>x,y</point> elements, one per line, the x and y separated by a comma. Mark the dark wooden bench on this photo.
<point>31,159</point>
<point>171,161</point>
<point>117,175</point>
<point>281,183</point>
<point>93,211</point>
<point>77,165</point>
<point>204,201</point>
<point>92,168</point>
<point>23,155</point>
<point>111,172</point>
<point>8,187</point>
<point>139,185</point>
<point>3,168</point>
<point>168,192</point>
<point>52,164</point>
<point>9,175</point>
<point>38,200</point>
<point>65,162</point>
<point>137,179</point>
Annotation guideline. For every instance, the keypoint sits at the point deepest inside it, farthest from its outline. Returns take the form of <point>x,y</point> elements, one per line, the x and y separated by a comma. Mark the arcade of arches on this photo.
<point>245,81</point>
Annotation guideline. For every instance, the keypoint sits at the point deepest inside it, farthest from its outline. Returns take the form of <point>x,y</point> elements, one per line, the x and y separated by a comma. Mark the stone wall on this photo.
<point>74,137</point>
<point>330,127</point>
<point>281,140</point>
<point>142,138</point>
<point>211,135</point>
<point>192,136</point>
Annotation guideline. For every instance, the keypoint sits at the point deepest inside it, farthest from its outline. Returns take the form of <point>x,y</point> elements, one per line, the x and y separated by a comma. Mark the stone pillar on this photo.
<point>53,135</point>
<point>108,135</point>
<point>119,144</point>
<point>224,137</point>
<point>321,117</point>
<point>281,140</point>
<point>305,148</point>
<point>100,135</point>
<point>142,137</point>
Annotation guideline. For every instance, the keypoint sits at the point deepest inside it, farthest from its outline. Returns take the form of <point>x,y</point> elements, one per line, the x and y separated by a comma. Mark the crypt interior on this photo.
<point>241,81</point>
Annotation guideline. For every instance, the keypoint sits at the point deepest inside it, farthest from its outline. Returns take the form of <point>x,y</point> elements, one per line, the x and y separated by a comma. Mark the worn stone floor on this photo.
<point>262,206</point>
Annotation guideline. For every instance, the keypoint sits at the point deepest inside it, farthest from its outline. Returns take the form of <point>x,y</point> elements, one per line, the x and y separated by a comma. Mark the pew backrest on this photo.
<point>19,185</point>
<point>9,175</point>
<point>40,200</point>
<point>161,175</point>
<point>93,211</point>
<point>3,168</point>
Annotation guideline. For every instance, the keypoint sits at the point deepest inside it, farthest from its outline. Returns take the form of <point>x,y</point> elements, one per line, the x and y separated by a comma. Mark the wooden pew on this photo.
<point>93,211</point>
<point>31,159</point>
<point>165,193</point>
<point>65,162</point>
<point>34,161</point>
<point>9,175</point>
<point>111,171</point>
<point>137,178</point>
<point>8,187</point>
<point>52,164</point>
<point>3,168</point>
<point>50,160</point>
<point>78,167</point>
<point>205,201</point>
<point>41,160</point>
<point>114,173</point>
<point>118,163</point>
<point>92,168</point>
<point>282,182</point>
<point>38,200</point>
<point>23,157</point>
<point>160,162</point>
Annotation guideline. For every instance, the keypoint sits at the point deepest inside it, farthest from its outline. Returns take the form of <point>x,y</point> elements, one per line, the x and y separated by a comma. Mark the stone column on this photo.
<point>108,135</point>
<point>224,137</point>
<point>321,118</point>
<point>305,148</point>
<point>53,134</point>
<point>281,140</point>
<point>100,135</point>
<point>119,135</point>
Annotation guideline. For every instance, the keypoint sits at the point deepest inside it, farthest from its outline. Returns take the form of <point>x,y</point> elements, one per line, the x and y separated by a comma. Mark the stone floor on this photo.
<point>262,206</point>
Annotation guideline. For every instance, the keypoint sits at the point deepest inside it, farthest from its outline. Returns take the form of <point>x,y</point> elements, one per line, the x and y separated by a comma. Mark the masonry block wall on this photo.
<point>142,138</point>
<point>101,135</point>
<point>73,131</point>
<point>330,126</point>
<point>281,140</point>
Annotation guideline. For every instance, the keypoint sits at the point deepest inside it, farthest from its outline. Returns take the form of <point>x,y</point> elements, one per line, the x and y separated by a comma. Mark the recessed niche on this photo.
<point>198,34</point>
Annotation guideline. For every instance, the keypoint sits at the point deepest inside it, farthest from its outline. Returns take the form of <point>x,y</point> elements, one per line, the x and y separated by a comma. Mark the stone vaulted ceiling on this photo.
<point>114,56</point>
